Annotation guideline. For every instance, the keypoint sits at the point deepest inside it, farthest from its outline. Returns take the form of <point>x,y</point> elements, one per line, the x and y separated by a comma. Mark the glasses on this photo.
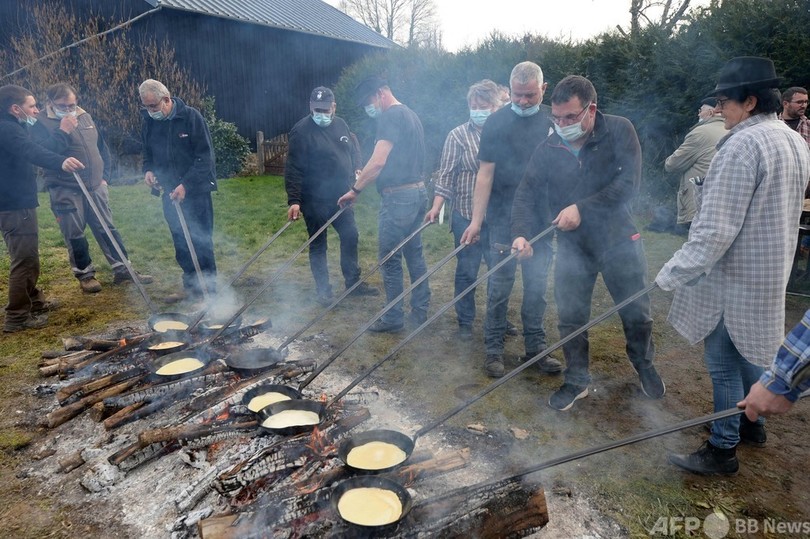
<point>65,108</point>
<point>721,102</point>
<point>569,118</point>
<point>802,102</point>
<point>153,108</point>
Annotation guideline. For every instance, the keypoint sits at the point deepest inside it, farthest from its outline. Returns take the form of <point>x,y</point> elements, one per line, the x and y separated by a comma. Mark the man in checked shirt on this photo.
<point>730,276</point>
<point>455,184</point>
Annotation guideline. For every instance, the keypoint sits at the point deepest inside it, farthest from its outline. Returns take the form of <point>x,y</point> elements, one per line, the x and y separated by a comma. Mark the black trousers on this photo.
<point>315,215</point>
<point>198,210</point>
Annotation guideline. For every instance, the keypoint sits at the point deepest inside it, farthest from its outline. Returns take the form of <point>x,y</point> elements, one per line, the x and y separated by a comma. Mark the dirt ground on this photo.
<point>633,491</point>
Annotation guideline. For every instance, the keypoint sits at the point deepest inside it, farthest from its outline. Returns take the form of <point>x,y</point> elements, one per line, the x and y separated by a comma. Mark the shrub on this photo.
<point>231,148</point>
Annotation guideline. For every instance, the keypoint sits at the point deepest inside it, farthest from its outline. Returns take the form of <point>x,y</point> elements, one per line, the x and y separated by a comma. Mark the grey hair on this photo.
<point>152,86</point>
<point>486,91</point>
<point>526,72</point>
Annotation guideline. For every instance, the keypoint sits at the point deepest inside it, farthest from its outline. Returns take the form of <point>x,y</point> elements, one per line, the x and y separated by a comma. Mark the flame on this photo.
<point>224,414</point>
<point>319,444</point>
<point>122,342</point>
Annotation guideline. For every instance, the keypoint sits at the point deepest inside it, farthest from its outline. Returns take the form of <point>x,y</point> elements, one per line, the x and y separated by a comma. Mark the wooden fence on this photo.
<point>271,155</point>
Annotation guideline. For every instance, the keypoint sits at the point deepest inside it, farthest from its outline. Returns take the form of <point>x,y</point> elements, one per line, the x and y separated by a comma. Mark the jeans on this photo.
<point>468,262</point>
<point>499,288</point>
<point>316,213</point>
<point>198,211</point>
<point>21,235</point>
<point>732,378</point>
<point>73,213</point>
<point>401,212</point>
<point>624,271</point>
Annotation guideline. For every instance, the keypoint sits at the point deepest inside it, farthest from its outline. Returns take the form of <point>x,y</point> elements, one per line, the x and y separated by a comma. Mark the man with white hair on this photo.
<point>508,140</point>
<point>178,157</point>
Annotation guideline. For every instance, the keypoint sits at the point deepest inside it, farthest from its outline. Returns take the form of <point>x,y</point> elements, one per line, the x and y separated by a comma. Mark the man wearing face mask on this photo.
<point>178,157</point>
<point>587,173</point>
<point>67,129</point>
<point>322,161</point>
<point>396,166</point>
<point>508,139</point>
<point>18,203</point>
<point>455,182</point>
<point>693,157</point>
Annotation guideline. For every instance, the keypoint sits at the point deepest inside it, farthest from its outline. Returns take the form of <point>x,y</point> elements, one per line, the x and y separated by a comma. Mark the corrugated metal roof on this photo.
<point>308,16</point>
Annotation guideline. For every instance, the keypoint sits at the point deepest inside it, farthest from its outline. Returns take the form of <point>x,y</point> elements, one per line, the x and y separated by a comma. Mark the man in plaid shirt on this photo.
<point>730,276</point>
<point>794,106</point>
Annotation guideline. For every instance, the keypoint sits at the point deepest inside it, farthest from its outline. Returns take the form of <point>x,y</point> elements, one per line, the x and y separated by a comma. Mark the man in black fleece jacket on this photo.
<point>18,203</point>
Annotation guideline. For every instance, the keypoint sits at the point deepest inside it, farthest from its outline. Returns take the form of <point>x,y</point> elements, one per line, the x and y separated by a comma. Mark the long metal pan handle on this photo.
<point>279,271</point>
<point>149,305</point>
<point>380,314</point>
<point>436,315</point>
<point>535,359</point>
<point>191,250</point>
<point>354,286</point>
<point>240,272</point>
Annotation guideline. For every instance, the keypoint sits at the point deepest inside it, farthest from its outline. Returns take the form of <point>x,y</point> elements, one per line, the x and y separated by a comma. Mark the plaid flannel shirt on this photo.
<point>792,356</point>
<point>458,168</point>
<point>737,260</point>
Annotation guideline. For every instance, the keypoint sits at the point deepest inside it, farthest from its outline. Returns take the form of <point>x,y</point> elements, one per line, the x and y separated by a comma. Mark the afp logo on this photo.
<point>714,526</point>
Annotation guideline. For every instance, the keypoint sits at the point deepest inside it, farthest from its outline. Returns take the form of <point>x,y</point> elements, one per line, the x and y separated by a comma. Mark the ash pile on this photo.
<point>184,454</point>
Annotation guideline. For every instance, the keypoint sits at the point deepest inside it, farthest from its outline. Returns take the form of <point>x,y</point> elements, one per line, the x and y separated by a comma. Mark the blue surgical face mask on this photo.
<point>572,132</point>
<point>323,119</point>
<point>478,117</point>
<point>372,110</point>
<point>61,114</point>
<point>531,111</point>
<point>30,120</point>
<point>157,115</point>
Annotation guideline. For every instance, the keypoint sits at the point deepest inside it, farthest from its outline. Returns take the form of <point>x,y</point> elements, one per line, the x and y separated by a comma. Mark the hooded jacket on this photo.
<point>18,186</point>
<point>179,150</point>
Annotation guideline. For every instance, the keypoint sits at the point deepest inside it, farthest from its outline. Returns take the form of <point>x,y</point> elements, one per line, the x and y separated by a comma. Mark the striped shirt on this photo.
<point>737,260</point>
<point>455,180</point>
<point>792,356</point>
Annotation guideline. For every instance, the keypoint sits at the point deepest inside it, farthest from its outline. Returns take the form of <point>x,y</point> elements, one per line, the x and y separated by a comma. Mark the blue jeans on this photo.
<point>624,271</point>
<point>499,288</point>
<point>732,378</point>
<point>468,262</point>
<point>401,212</point>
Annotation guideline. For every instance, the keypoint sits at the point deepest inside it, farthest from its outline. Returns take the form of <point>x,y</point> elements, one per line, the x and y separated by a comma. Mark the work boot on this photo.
<point>565,397</point>
<point>90,285</point>
<point>364,290</point>
<point>651,383</point>
<point>547,365</point>
<point>325,299</point>
<point>708,460</point>
<point>752,433</point>
<point>44,307</point>
<point>174,297</point>
<point>33,322</point>
<point>381,326</point>
<point>124,276</point>
<point>493,365</point>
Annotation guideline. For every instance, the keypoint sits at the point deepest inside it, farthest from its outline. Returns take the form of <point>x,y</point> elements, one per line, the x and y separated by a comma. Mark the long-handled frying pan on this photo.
<point>280,271</point>
<point>351,289</point>
<point>406,444</point>
<point>191,250</point>
<point>241,271</point>
<point>135,279</point>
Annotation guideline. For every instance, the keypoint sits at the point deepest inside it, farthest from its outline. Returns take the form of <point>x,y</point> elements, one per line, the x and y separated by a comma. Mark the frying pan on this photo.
<point>160,317</point>
<point>270,388</point>
<point>168,336</point>
<point>367,481</point>
<point>213,324</point>
<point>282,269</point>
<point>351,289</point>
<point>253,361</point>
<point>379,315</point>
<point>408,448</point>
<point>116,246</point>
<point>305,405</point>
<point>203,355</point>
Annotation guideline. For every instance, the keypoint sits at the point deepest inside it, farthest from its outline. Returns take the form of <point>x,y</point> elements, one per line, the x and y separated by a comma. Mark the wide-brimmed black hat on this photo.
<point>709,102</point>
<point>746,72</point>
<point>366,88</point>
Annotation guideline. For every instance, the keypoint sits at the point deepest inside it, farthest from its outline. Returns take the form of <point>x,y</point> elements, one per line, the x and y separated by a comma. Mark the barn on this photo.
<point>259,58</point>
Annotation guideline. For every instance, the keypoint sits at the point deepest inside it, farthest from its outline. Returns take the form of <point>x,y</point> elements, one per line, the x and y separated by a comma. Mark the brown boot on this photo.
<point>90,285</point>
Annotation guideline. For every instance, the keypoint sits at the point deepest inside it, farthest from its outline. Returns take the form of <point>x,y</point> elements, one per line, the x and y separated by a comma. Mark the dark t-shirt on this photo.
<point>509,140</point>
<point>401,126</point>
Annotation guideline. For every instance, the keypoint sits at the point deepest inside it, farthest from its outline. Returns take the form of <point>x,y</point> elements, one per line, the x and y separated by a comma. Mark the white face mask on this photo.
<point>61,114</point>
<point>570,133</point>
<point>524,113</point>
<point>157,115</point>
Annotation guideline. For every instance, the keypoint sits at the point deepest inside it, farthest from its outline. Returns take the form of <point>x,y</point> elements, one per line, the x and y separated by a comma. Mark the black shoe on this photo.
<point>381,326</point>
<point>464,330</point>
<point>417,318</point>
<point>708,460</point>
<point>547,365</point>
<point>752,433</point>
<point>33,322</point>
<point>493,365</point>
<point>651,383</point>
<point>511,329</point>
<point>364,290</point>
<point>124,276</point>
<point>46,306</point>
<point>565,397</point>
<point>324,299</point>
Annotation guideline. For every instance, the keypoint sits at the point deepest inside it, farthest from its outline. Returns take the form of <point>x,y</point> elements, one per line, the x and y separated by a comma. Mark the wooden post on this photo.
<point>260,151</point>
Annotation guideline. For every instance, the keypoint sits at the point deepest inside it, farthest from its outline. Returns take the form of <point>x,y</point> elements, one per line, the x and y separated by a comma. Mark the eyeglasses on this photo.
<point>721,102</point>
<point>154,108</point>
<point>802,102</point>
<point>65,108</point>
<point>569,118</point>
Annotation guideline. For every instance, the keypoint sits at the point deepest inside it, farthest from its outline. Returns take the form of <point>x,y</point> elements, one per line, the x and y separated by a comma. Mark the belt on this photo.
<point>403,187</point>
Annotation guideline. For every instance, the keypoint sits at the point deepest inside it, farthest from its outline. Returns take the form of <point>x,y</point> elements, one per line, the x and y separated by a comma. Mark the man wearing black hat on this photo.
<point>692,159</point>
<point>729,278</point>
<point>396,165</point>
<point>321,162</point>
